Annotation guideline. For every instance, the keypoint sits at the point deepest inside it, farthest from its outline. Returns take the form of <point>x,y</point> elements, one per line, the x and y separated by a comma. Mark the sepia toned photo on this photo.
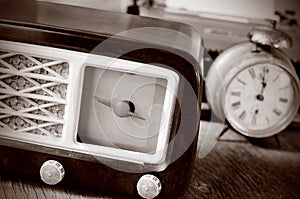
<point>166,99</point>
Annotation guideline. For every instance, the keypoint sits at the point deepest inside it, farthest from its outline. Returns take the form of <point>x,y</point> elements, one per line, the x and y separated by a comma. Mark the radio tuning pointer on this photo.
<point>122,108</point>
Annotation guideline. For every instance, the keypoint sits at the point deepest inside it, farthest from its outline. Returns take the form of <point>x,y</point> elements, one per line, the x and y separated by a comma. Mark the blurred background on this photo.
<point>242,8</point>
<point>221,23</point>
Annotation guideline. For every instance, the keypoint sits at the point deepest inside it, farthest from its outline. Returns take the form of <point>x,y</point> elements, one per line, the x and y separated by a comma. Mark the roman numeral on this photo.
<point>283,88</point>
<point>274,80</point>
<point>252,73</point>
<point>242,82</point>
<point>242,115</point>
<point>267,119</point>
<point>283,100</point>
<point>236,93</point>
<point>236,105</point>
<point>277,111</point>
<point>266,70</point>
<point>253,121</point>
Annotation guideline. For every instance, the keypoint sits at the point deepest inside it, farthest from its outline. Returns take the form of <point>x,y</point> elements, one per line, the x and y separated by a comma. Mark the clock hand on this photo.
<point>254,118</point>
<point>260,96</point>
<point>264,81</point>
<point>264,84</point>
<point>123,108</point>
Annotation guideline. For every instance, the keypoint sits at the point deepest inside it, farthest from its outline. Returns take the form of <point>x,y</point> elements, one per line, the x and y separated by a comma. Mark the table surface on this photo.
<point>229,166</point>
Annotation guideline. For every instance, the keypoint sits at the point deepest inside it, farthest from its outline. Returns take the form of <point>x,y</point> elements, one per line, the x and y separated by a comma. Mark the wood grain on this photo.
<point>235,168</point>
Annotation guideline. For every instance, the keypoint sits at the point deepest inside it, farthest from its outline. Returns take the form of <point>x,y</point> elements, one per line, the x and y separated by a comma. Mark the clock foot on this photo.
<point>222,133</point>
<point>233,135</point>
<point>272,142</point>
<point>277,141</point>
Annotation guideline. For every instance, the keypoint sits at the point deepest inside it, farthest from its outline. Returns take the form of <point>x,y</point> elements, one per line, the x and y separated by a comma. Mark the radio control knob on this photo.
<point>148,186</point>
<point>52,172</point>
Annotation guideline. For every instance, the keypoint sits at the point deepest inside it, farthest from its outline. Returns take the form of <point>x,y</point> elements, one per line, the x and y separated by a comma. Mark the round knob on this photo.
<point>271,37</point>
<point>52,172</point>
<point>121,109</point>
<point>148,186</point>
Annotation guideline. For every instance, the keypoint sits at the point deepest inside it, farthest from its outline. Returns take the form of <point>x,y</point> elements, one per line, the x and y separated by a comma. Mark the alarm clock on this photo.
<point>254,86</point>
<point>97,100</point>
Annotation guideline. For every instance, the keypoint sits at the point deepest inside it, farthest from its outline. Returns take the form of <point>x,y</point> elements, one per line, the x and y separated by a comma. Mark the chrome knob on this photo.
<point>149,186</point>
<point>52,172</point>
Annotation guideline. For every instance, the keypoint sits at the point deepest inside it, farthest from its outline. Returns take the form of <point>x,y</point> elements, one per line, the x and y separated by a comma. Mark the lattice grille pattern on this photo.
<point>32,94</point>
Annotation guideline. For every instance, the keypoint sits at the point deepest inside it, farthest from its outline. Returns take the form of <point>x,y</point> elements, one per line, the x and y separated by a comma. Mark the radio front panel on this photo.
<point>50,101</point>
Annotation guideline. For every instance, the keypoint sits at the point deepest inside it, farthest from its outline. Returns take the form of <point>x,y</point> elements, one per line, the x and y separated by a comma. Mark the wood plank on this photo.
<point>231,170</point>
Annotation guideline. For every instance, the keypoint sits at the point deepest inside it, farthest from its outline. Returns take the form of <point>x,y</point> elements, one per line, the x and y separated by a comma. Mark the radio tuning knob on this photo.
<point>148,186</point>
<point>270,36</point>
<point>52,172</point>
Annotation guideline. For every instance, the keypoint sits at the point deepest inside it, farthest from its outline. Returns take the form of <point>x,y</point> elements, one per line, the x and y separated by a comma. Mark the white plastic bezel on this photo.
<point>77,62</point>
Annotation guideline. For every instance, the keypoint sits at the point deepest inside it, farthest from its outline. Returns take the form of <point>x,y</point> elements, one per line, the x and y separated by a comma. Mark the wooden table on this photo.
<point>235,168</point>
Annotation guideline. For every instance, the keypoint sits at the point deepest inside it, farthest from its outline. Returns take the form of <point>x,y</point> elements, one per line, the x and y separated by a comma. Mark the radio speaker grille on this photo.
<point>32,94</point>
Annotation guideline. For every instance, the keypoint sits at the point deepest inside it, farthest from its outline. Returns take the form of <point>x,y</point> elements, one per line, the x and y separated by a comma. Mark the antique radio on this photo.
<point>98,100</point>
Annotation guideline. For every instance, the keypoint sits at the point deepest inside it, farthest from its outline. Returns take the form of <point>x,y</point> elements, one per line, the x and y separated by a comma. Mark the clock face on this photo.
<point>127,110</point>
<point>259,100</point>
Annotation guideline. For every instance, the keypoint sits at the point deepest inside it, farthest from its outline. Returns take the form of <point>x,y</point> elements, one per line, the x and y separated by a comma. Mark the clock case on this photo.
<point>81,29</point>
<point>237,58</point>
